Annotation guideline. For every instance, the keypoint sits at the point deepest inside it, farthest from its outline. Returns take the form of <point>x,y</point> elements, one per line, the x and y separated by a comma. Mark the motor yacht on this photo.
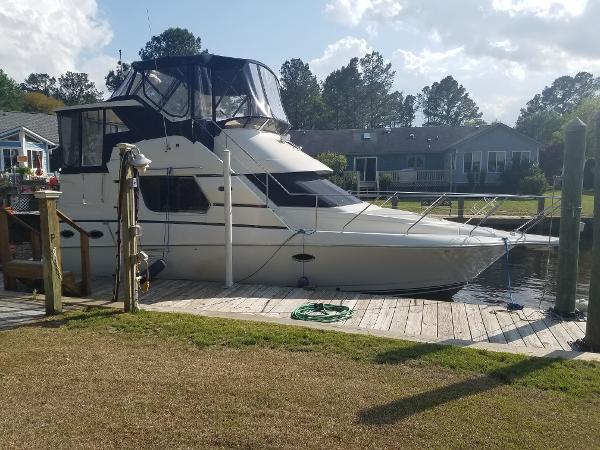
<point>289,222</point>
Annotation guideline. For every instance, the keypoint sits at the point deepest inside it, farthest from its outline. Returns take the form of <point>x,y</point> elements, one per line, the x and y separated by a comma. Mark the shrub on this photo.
<point>533,184</point>
<point>335,161</point>
<point>385,181</point>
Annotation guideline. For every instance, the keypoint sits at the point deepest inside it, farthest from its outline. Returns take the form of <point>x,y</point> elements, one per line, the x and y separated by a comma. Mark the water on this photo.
<point>533,278</point>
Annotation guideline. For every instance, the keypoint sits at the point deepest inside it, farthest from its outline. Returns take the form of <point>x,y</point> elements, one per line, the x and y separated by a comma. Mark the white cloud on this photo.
<point>353,12</point>
<point>554,9</point>
<point>53,36</point>
<point>338,54</point>
<point>503,51</point>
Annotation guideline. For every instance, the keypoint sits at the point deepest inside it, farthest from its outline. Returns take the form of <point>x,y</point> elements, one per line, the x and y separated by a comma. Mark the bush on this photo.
<point>385,181</point>
<point>524,178</point>
<point>335,161</point>
<point>343,182</point>
<point>533,184</point>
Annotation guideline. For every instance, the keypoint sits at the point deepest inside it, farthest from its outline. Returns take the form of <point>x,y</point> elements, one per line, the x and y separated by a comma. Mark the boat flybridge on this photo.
<point>289,222</point>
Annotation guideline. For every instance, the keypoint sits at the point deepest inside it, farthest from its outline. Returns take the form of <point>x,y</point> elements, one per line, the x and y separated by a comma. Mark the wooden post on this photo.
<point>129,232</point>
<point>461,207</point>
<point>50,236</point>
<point>541,204</point>
<point>592,330</point>
<point>570,216</point>
<point>395,202</point>
<point>5,257</point>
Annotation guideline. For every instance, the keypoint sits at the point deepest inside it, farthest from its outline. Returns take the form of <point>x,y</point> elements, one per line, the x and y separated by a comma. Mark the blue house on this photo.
<point>423,157</point>
<point>26,139</point>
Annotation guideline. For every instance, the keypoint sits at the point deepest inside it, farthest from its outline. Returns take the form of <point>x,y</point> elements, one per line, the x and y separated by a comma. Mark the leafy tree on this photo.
<point>586,111</point>
<point>75,88</point>
<point>11,96</point>
<point>540,126</point>
<point>300,94</point>
<point>116,76</point>
<point>377,79</point>
<point>335,161</point>
<point>563,95</point>
<point>40,82</point>
<point>39,102</point>
<point>446,102</point>
<point>343,97</point>
<point>171,42</point>
<point>402,109</point>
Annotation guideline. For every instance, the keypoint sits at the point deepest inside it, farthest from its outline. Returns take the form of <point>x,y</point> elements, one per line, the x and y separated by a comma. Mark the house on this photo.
<point>423,157</point>
<point>27,139</point>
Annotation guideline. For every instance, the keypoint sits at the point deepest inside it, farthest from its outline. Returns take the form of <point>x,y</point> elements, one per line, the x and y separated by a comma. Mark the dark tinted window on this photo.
<point>172,194</point>
<point>299,189</point>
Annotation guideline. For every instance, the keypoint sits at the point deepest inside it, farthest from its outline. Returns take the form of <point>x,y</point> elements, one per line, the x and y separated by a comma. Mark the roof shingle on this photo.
<point>46,125</point>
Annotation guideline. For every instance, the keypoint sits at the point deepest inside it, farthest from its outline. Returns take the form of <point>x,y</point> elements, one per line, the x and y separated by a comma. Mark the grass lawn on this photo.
<point>101,378</point>
<point>508,207</point>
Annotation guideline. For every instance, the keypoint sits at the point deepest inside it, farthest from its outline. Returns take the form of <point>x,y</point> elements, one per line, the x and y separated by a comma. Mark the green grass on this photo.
<point>103,379</point>
<point>508,207</point>
<point>573,377</point>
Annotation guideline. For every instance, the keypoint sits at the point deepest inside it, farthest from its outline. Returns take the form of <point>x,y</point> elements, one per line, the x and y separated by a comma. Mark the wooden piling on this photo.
<point>572,188</point>
<point>50,237</point>
<point>592,331</point>
<point>461,207</point>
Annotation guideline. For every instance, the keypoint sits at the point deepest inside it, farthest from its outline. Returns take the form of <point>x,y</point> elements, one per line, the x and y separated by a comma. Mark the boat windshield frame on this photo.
<point>233,92</point>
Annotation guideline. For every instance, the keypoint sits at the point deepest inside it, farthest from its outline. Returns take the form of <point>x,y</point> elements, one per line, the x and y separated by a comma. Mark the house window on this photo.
<point>496,162</point>
<point>520,157</point>
<point>172,194</point>
<point>367,167</point>
<point>35,157</point>
<point>472,162</point>
<point>9,158</point>
<point>415,162</point>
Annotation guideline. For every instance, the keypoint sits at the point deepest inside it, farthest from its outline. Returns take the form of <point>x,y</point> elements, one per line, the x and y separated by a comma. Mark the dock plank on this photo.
<point>478,333</point>
<point>358,311</point>
<point>384,320</point>
<point>372,313</point>
<point>492,326</point>
<point>536,321</point>
<point>398,323</point>
<point>461,324</point>
<point>526,331</point>
<point>445,325</point>
<point>429,326</point>
<point>509,329</point>
<point>414,321</point>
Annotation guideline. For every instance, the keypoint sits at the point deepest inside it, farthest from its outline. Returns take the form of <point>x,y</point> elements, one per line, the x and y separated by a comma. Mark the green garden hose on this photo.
<point>322,312</point>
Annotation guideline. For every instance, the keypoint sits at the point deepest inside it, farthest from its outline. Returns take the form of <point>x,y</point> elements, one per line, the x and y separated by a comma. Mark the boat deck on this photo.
<point>424,320</point>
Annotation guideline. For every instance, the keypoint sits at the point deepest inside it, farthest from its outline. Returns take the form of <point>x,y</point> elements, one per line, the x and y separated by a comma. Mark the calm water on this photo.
<point>531,272</point>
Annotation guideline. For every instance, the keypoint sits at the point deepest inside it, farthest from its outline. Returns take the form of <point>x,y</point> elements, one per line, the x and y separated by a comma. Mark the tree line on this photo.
<point>546,114</point>
<point>360,95</point>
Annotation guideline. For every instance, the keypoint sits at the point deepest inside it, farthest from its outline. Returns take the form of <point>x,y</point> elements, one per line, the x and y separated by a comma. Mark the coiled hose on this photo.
<point>322,312</point>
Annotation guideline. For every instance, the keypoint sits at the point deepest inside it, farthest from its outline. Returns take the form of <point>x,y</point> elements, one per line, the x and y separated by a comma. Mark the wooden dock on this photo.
<point>423,320</point>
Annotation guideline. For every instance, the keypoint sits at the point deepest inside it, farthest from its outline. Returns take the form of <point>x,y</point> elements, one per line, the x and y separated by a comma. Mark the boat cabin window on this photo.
<point>208,88</point>
<point>166,193</point>
<point>301,189</point>
<point>87,137</point>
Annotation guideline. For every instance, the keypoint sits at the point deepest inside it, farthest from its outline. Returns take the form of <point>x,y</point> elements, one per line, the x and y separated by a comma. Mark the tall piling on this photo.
<point>570,216</point>
<point>592,331</point>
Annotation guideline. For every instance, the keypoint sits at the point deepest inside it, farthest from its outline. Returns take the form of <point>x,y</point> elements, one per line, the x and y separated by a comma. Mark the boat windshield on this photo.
<point>304,189</point>
<point>235,93</point>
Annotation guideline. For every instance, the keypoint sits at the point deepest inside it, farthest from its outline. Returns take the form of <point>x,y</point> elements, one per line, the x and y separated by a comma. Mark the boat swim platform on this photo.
<point>491,327</point>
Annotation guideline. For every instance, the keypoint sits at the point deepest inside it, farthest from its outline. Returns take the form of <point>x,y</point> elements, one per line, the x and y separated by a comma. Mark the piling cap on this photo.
<point>576,124</point>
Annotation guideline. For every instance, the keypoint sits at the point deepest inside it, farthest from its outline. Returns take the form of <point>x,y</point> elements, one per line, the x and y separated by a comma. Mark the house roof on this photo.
<point>44,125</point>
<point>392,140</point>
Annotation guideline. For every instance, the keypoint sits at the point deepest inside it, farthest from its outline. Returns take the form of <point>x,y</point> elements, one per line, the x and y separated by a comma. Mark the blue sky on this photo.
<point>502,51</point>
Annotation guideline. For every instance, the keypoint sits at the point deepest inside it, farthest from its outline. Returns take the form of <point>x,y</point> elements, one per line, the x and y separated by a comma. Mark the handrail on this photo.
<point>424,213</point>
<point>84,247</point>
<point>492,210</point>
<point>71,222</point>
<point>20,222</point>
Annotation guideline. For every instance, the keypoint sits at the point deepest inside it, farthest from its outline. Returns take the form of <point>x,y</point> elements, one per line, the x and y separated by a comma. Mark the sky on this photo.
<point>502,51</point>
